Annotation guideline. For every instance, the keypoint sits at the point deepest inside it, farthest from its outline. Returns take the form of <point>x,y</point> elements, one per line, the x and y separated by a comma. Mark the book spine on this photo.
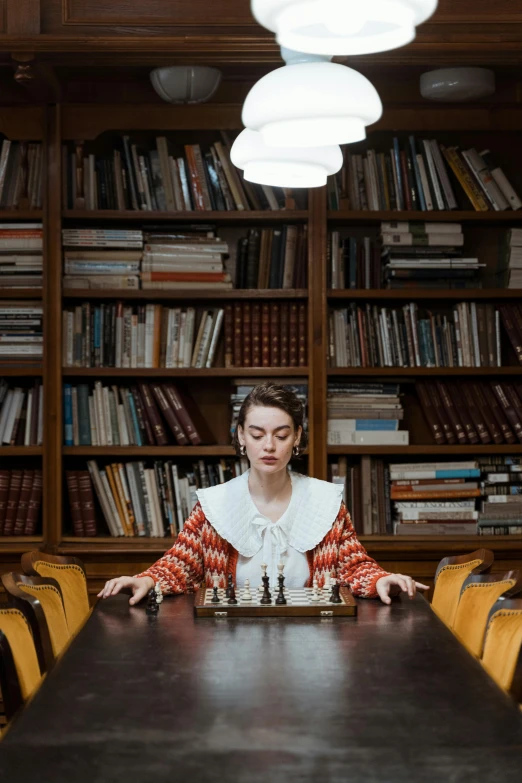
<point>153,415</point>
<point>265,335</point>
<point>430,413</point>
<point>457,427</point>
<point>485,411</point>
<point>247,335</point>
<point>33,508</point>
<point>274,334</point>
<point>168,410</point>
<point>86,498</point>
<point>15,487</point>
<point>71,477</point>
<point>23,502</point>
<point>293,338</point>
<point>185,419</point>
<point>229,336</point>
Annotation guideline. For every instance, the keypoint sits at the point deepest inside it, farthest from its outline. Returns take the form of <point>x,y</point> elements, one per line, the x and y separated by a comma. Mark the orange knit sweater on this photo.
<point>200,553</point>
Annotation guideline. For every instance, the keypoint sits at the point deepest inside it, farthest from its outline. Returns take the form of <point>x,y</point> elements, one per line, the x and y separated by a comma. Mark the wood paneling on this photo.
<point>158,13</point>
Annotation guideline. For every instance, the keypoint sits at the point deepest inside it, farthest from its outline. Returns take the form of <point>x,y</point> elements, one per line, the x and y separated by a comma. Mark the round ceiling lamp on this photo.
<point>346,27</point>
<point>457,84</point>
<point>311,102</point>
<point>282,166</point>
<point>185,83</point>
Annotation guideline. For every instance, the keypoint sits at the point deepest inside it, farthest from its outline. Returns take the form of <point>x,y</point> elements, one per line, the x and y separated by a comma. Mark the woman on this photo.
<point>267,515</point>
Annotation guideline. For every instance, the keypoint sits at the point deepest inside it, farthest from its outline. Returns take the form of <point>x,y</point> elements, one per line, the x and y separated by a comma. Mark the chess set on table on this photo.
<point>329,601</point>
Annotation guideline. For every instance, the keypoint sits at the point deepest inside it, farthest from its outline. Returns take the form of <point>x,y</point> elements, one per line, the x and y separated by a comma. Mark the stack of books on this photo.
<point>21,415</point>
<point>20,501</point>
<point>184,258</point>
<point>164,178</point>
<point>385,337</point>
<point>365,414</point>
<point>366,494</point>
<point>151,335</point>
<point>510,266</point>
<point>273,258</point>
<point>426,255</point>
<point>266,334</point>
<point>21,255</point>
<point>470,413</point>
<point>21,167</point>
<point>244,386</point>
<point>501,509</point>
<point>141,415</point>
<point>354,262</point>
<point>435,498</point>
<point>21,332</point>
<point>108,258</point>
<point>421,175</point>
<point>141,500</point>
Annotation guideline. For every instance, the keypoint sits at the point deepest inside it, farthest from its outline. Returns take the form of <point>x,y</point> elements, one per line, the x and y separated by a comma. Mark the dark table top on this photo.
<point>388,696</point>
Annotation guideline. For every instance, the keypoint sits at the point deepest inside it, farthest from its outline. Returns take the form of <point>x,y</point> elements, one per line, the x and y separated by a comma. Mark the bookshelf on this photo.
<point>106,556</point>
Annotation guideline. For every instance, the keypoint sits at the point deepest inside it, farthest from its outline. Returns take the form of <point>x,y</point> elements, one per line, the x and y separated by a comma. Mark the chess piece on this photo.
<point>232,598</point>
<point>152,602</point>
<point>262,588</point>
<point>281,600</point>
<point>215,597</point>
<point>335,597</point>
<point>266,598</point>
<point>327,582</point>
<point>247,595</point>
<point>315,592</point>
<point>229,586</point>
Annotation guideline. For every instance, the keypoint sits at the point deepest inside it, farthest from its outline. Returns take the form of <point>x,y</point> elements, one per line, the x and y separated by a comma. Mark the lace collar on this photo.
<point>313,507</point>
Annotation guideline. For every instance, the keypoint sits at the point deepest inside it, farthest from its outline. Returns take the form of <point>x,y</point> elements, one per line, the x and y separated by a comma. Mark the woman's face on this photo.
<point>269,436</point>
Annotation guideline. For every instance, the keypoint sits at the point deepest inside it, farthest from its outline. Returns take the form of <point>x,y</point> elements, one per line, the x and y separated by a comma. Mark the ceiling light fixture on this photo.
<point>185,83</point>
<point>342,26</point>
<point>311,102</point>
<point>283,166</point>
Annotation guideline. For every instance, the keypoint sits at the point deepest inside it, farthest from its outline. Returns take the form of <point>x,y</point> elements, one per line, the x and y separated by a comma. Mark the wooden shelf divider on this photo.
<point>186,372</point>
<point>234,293</point>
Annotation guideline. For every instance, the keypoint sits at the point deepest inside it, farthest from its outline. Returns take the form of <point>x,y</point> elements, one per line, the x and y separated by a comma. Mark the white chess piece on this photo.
<point>281,568</point>
<point>247,595</point>
<point>315,592</point>
<point>327,584</point>
<point>263,570</point>
<point>216,580</point>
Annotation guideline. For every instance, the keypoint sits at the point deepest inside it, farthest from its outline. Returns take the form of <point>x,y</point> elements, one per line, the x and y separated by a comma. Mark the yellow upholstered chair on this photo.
<point>70,574</point>
<point>44,596</point>
<point>502,657</point>
<point>478,595</point>
<point>449,578</point>
<point>20,673</point>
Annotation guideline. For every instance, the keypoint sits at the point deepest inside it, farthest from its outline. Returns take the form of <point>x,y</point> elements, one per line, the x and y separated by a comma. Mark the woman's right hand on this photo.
<point>138,586</point>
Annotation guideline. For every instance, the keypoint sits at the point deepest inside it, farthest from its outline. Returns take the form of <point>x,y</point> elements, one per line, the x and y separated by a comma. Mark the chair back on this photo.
<point>20,673</point>
<point>479,593</point>
<point>70,574</point>
<point>45,598</point>
<point>449,578</point>
<point>502,657</point>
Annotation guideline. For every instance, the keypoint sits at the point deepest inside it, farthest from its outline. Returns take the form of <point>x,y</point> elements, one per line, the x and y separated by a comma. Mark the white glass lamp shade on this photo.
<point>457,84</point>
<point>342,26</point>
<point>185,83</point>
<point>282,166</point>
<point>311,104</point>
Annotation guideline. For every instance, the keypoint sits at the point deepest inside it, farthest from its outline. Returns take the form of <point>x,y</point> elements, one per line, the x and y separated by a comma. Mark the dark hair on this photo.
<point>272,395</point>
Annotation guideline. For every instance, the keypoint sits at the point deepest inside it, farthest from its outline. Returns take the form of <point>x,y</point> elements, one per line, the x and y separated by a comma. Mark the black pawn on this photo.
<point>266,598</point>
<point>281,600</point>
<point>215,597</point>
<point>230,586</point>
<point>232,598</point>
<point>152,602</point>
<point>335,598</point>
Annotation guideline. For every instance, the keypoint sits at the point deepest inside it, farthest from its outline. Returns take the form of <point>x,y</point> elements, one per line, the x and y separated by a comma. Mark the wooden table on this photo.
<point>389,696</point>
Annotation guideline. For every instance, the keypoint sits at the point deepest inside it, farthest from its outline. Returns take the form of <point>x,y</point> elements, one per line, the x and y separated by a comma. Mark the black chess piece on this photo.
<point>266,598</point>
<point>230,586</point>
<point>232,599</point>
<point>281,600</point>
<point>152,602</point>
<point>215,597</point>
<point>335,598</point>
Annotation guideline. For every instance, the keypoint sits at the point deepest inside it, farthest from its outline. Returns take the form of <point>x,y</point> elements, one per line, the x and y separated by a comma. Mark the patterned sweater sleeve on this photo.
<point>356,568</point>
<point>181,567</point>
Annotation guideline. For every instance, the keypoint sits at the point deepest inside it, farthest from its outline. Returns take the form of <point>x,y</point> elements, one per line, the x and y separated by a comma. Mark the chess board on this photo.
<point>299,604</point>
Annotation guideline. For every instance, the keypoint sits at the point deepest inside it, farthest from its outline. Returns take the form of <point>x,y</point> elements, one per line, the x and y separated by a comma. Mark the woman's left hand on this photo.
<point>393,584</point>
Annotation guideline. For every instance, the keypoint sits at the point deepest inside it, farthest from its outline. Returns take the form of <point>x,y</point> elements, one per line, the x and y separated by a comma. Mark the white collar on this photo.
<point>314,505</point>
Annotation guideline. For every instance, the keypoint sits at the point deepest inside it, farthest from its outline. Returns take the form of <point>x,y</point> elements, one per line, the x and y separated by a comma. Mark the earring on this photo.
<point>242,450</point>
<point>296,450</point>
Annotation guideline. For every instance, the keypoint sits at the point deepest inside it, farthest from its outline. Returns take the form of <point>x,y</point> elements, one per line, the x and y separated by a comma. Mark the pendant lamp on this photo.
<point>311,102</point>
<point>342,26</point>
<point>282,166</point>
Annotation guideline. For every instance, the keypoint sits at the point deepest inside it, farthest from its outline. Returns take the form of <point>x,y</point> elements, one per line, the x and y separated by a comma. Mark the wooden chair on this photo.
<point>502,657</point>
<point>70,574</point>
<point>44,596</point>
<point>20,671</point>
<point>479,593</point>
<point>449,578</point>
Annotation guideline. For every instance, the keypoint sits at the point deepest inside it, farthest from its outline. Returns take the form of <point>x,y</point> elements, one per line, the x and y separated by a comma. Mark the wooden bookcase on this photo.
<point>107,557</point>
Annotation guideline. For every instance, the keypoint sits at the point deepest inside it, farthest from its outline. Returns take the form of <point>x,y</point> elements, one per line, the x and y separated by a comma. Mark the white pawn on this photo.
<point>247,595</point>
<point>327,583</point>
<point>315,592</point>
